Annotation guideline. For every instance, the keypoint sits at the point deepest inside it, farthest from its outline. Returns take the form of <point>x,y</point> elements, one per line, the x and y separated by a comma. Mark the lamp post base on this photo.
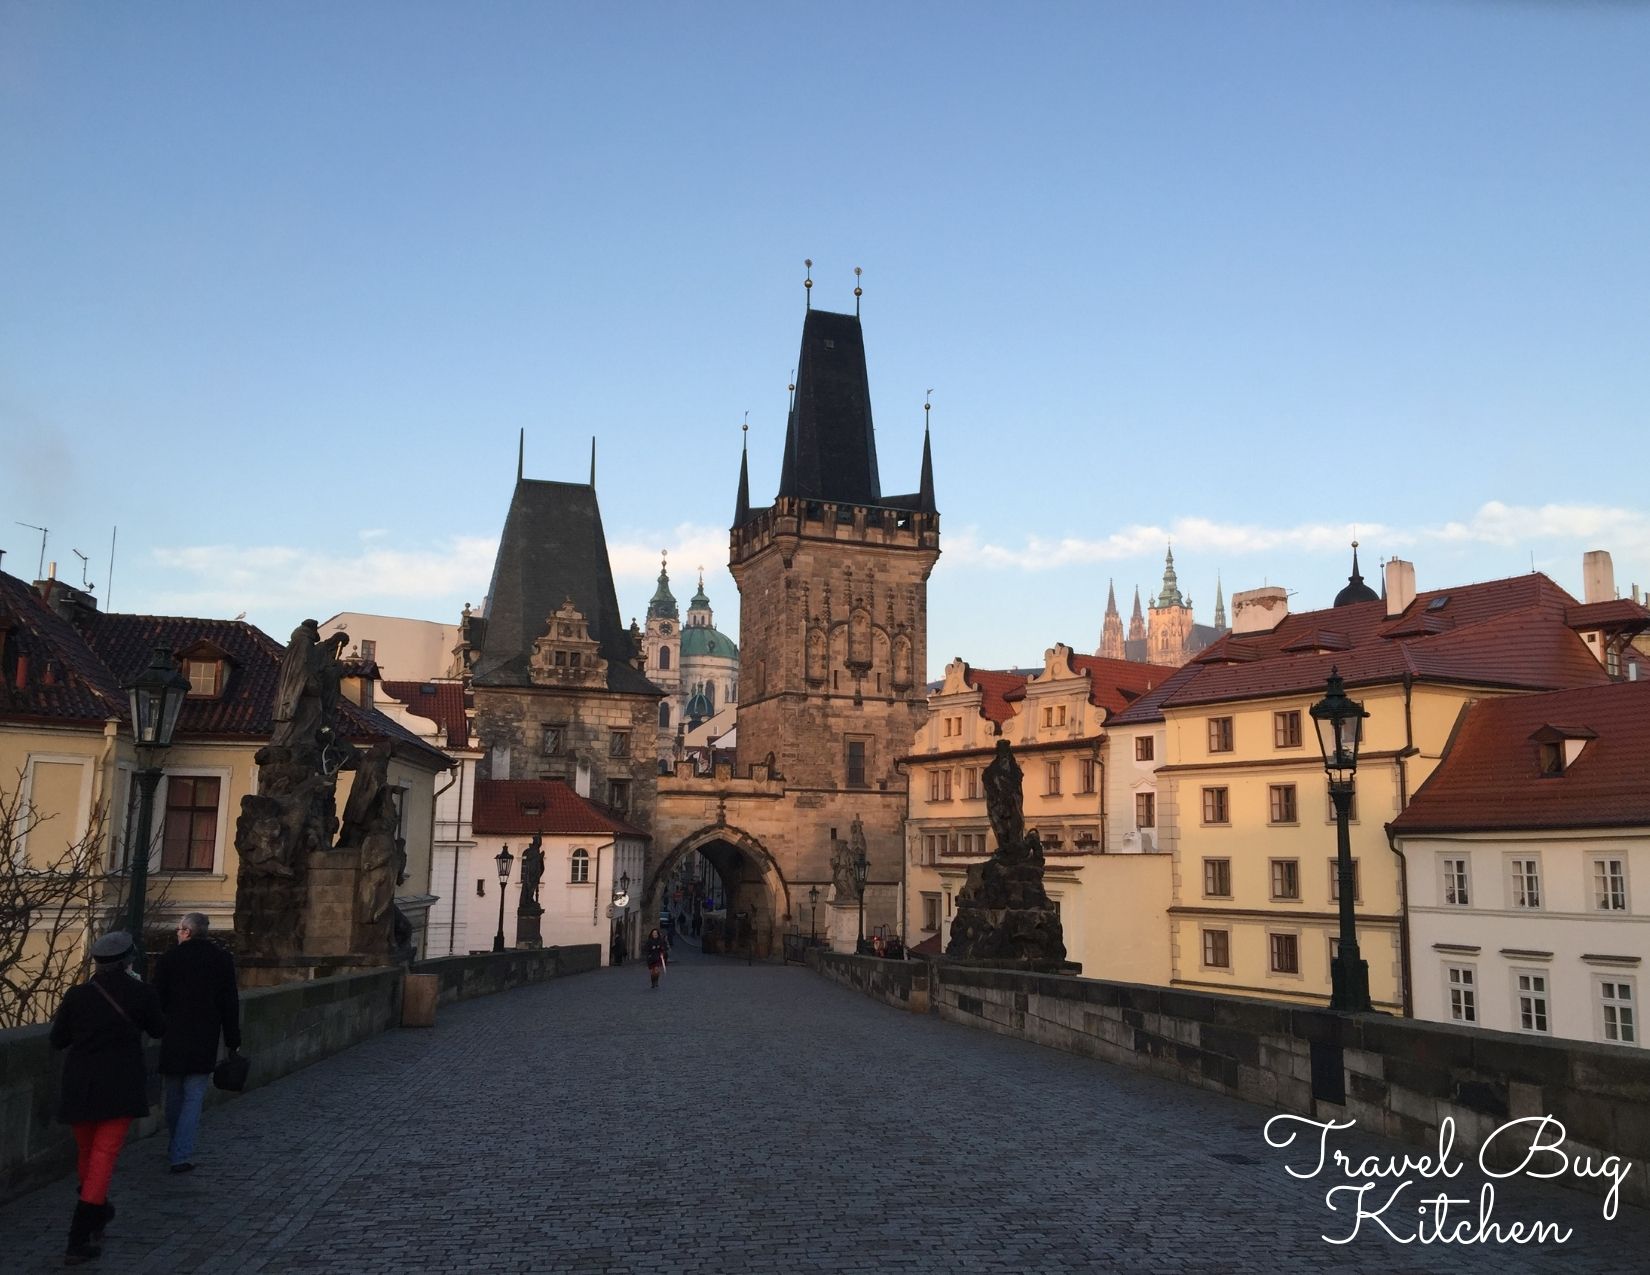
<point>1349,984</point>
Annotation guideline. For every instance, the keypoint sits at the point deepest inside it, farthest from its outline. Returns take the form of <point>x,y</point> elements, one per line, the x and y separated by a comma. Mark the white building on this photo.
<point>403,649</point>
<point>1527,867</point>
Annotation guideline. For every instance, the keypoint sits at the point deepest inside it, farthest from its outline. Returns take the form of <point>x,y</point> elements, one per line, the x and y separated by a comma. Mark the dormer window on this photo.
<point>206,665</point>
<point>1557,748</point>
<point>1552,759</point>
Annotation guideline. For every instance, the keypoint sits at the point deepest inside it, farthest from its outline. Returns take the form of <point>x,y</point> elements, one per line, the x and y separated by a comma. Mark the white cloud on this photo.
<point>636,556</point>
<point>1623,531</point>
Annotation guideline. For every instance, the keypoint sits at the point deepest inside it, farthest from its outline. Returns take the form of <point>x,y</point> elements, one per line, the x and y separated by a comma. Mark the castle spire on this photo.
<point>925,491</point>
<point>1220,606</point>
<point>1356,590</point>
<point>830,443</point>
<point>521,452</point>
<point>742,507</point>
<point>662,606</point>
<point>1137,621</point>
<point>1111,628</point>
<point>1170,596</point>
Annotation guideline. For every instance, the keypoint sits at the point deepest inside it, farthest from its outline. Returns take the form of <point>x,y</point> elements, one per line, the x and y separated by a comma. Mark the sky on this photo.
<point>280,284</point>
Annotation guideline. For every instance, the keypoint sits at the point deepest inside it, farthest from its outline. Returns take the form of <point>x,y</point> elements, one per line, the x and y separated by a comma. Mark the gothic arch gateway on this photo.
<point>750,875</point>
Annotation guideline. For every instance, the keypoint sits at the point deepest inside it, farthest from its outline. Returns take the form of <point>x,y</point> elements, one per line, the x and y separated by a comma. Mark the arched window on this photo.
<point>664,714</point>
<point>710,695</point>
<point>664,657</point>
<point>581,867</point>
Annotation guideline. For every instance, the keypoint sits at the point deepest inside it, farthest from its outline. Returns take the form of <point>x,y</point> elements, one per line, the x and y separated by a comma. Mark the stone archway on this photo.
<point>750,875</point>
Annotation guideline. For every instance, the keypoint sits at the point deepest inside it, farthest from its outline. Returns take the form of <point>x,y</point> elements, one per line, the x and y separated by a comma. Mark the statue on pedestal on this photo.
<point>1003,911</point>
<point>528,910</point>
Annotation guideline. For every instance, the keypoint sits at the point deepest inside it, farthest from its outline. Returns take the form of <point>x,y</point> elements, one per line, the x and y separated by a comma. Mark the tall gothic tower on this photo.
<point>1111,630</point>
<point>661,648</point>
<point>1171,622</point>
<point>1137,621</point>
<point>833,583</point>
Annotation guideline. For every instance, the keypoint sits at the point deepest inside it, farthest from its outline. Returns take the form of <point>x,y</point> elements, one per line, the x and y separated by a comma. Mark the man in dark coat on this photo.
<point>196,985</point>
<point>101,1023</point>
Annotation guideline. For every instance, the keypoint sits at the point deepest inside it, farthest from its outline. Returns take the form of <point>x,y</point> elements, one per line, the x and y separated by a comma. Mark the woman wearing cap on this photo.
<point>101,1023</point>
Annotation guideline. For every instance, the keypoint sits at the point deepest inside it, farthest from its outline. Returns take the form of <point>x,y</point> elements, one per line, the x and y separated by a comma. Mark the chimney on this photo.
<point>1259,610</point>
<point>1400,586</point>
<point>1598,576</point>
<point>68,602</point>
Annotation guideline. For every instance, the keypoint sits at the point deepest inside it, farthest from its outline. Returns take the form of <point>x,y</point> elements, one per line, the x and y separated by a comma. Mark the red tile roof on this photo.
<point>1116,684</point>
<point>1616,613</point>
<point>526,806</point>
<point>1490,778</point>
<point>1508,633</point>
<point>442,702</point>
<point>74,673</point>
<point>997,690</point>
<point>1149,707</point>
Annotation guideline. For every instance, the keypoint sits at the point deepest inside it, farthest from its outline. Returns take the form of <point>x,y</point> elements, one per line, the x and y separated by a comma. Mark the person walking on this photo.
<point>656,949</point>
<point>101,1023</point>
<point>198,994</point>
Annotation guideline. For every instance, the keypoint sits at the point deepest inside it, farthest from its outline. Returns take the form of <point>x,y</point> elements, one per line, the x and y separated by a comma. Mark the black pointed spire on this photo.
<point>830,443</point>
<point>592,462</point>
<point>742,507</point>
<point>925,490</point>
<point>521,452</point>
<point>1356,590</point>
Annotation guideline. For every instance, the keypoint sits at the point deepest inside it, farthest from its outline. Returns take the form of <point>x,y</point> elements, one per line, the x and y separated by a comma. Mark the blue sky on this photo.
<point>280,283</point>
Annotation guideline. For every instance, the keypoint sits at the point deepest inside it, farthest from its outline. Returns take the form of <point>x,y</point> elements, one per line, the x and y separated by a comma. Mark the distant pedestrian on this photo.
<point>656,950</point>
<point>196,985</point>
<point>101,1023</point>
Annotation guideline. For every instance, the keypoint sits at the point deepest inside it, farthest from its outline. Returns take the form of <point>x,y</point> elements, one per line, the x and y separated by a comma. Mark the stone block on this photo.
<point>1619,1073</point>
<point>1486,1097</point>
<point>1361,1062</point>
<point>1231,1043</point>
<point>1256,1084</point>
<point>1422,1107</point>
<point>1524,1100</point>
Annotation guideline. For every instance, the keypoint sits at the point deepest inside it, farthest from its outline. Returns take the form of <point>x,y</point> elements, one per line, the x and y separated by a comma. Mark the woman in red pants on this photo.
<point>101,1023</point>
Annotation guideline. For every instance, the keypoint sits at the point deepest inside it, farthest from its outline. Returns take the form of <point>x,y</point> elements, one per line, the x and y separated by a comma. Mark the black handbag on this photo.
<point>231,1073</point>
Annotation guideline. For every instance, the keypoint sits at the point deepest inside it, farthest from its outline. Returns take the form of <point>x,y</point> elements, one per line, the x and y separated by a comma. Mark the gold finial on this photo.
<point>808,283</point>
<point>858,291</point>
<point>927,407</point>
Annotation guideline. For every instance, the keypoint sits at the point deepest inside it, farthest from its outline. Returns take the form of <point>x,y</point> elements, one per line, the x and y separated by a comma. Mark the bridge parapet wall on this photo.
<point>283,1029</point>
<point>1394,1076</point>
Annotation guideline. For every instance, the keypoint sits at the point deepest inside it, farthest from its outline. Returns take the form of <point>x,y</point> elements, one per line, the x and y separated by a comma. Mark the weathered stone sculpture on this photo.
<point>370,822</point>
<point>528,910</point>
<point>1003,912</point>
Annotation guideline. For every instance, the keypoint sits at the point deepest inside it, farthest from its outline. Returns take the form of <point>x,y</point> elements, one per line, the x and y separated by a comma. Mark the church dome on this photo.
<point>698,706</point>
<point>1356,590</point>
<point>701,639</point>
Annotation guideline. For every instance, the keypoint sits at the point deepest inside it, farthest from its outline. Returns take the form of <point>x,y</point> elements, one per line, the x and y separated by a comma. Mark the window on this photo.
<point>1329,808</point>
<point>1214,806</point>
<point>710,696</point>
<point>205,678</point>
<point>1456,891</point>
<point>1217,949</point>
<point>1052,769</point>
<point>856,766</point>
<point>664,657</point>
<point>1524,883</point>
<point>1335,882</point>
<point>191,834</point>
<point>664,713</point>
<point>1145,810</point>
<point>1610,885</point>
<point>1220,734</point>
<point>930,912</point>
<point>971,782</point>
<point>1143,748</point>
<point>1531,993</point>
<point>1217,878</point>
<point>1286,878</point>
<point>555,737</point>
<point>1460,986</point>
<point>1616,1021</point>
<point>1552,759</point>
<point>618,794</point>
<point>1286,729</point>
<point>580,868</point>
<point>1283,803</point>
<point>618,744</point>
<point>929,847</point>
<point>1085,774</point>
<point>933,782</point>
<point>1286,953</point>
<point>1054,715</point>
<point>369,650</point>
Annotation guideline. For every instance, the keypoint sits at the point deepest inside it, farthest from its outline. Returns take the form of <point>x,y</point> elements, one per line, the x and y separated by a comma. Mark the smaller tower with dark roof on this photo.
<point>1355,590</point>
<point>661,652</point>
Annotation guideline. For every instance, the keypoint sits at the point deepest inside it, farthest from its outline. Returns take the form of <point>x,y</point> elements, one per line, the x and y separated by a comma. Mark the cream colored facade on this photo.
<point>404,649</point>
<point>1242,785</point>
<point>1112,905</point>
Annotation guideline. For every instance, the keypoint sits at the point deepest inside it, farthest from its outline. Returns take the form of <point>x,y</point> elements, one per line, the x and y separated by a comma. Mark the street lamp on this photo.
<point>157,697</point>
<point>1340,723</point>
<point>813,905</point>
<point>504,859</point>
<point>862,870</point>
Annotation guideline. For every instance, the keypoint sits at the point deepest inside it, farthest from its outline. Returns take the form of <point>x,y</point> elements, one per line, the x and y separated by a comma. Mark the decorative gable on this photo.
<point>565,654</point>
<point>207,666</point>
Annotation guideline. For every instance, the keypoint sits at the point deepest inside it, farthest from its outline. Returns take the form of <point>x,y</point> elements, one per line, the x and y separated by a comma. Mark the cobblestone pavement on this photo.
<point>746,1119</point>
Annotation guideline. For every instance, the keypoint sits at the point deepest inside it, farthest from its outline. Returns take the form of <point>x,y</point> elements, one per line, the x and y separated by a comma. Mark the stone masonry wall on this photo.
<point>1394,1076</point>
<point>515,717</point>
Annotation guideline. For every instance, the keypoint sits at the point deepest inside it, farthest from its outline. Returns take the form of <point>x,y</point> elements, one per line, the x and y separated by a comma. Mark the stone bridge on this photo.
<point>755,1119</point>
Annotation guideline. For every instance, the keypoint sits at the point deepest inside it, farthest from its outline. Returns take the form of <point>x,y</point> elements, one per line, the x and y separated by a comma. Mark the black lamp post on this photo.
<point>813,907</point>
<point>504,859</point>
<point>157,697</point>
<point>1340,731</point>
<point>862,870</point>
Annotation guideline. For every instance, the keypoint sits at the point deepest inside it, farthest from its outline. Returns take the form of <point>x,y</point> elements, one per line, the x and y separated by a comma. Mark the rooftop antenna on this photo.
<point>927,407</point>
<point>521,452</point>
<point>808,284</point>
<point>592,461</point>
<point>41,569</point>
<point>84,582</point>
<point>858,291</point>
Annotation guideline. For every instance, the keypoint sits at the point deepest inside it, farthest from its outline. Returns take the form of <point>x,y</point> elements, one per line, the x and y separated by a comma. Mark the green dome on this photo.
<point>701,639</point>
<point>662,606</point>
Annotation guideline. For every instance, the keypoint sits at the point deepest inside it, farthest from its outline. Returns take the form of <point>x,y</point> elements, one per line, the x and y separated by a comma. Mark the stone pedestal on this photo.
<point>528,933</point>
<point>329,928</point>
<point>842,925</point>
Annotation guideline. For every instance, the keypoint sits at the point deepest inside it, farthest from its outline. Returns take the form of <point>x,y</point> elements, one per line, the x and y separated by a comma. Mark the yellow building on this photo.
<point>1240,793</point>
<point>66,755</point>
<point>1112,906</point>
